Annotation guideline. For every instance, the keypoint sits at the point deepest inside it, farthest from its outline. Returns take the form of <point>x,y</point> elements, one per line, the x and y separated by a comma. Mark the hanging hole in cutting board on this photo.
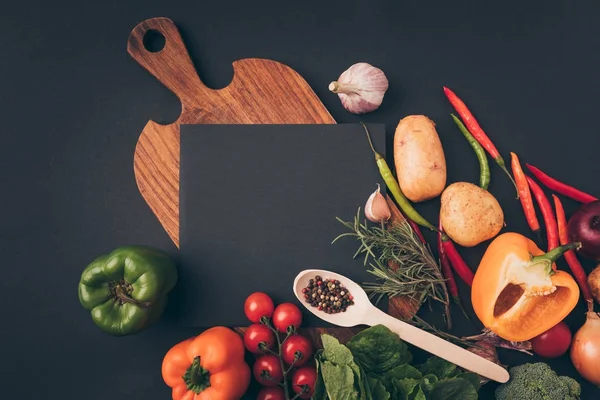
<point>154,41</point>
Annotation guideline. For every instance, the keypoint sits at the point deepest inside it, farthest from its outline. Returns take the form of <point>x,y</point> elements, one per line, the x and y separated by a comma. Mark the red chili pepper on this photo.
<point>547,213</point>
<point>576,268</point>
<point>417,230</point>
<point>478,133</point>
<point>456,260</point>
<point>560,187</point>
<point>525,194</point>
<point>446,268</point>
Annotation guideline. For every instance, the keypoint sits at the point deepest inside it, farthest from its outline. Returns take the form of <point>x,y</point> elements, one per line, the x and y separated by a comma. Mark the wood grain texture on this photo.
<point>261,92</point>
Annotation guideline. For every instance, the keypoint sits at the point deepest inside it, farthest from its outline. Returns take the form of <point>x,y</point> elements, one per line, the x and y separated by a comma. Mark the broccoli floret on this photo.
<point>537,381</point>
<point>573,385</point>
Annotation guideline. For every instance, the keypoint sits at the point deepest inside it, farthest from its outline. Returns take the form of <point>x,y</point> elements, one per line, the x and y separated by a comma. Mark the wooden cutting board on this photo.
<point>261,92</point>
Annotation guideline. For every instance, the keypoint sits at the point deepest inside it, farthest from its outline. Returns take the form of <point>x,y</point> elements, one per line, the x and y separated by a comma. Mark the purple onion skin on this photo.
<point>584,227</point>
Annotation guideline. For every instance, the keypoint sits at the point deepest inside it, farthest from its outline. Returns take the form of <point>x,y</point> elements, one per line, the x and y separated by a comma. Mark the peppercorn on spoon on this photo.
<point>363,312</point>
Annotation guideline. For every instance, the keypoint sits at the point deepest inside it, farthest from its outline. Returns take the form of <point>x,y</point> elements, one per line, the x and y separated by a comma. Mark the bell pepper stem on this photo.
<point>550,257</point>
<point>121,295</point>
<point>196,378</point>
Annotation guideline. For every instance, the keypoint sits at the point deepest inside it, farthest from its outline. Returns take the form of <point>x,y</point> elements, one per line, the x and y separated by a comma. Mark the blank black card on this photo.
<point>258,204</point>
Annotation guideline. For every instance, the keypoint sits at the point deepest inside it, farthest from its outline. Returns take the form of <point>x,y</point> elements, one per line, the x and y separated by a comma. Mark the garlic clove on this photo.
<point>360,88</point>
<point>376,208</point>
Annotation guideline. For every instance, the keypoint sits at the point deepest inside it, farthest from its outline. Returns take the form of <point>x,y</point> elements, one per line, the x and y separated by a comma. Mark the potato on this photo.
<point>469,214</point>
<point>419,158</point>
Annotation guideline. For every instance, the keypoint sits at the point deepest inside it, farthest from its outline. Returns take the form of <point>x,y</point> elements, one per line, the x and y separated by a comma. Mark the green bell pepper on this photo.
<point>126,290</point>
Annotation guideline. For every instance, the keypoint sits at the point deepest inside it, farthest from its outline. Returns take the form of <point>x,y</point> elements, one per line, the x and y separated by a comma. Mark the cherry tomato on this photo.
<point>271,393</point>
<point>554,342</point>
<point>285,315</point>
<point>267,370</point>
<point>304,379</point>
<point>257,334</point>
<point>258,305</point>
<point>299,344</point>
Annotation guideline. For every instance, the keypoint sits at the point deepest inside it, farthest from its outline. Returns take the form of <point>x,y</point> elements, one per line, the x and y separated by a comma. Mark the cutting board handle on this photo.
<point>171,65</point>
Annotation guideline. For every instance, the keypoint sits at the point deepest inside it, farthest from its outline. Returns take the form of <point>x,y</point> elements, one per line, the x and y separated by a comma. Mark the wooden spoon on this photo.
<point>363,312</point>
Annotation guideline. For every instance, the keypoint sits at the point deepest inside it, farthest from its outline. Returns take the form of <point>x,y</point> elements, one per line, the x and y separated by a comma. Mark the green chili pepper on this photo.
<point>394,188</point>
<point>484,167</point>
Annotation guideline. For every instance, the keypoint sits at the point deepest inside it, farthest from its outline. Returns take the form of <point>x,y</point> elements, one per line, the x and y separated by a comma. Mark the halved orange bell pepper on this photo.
<point>209,366</point>
<point>516,293</point>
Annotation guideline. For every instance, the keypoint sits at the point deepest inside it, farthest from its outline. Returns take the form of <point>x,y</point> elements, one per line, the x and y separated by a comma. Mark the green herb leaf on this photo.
<point>335,352</point>
<point>339,381</point>
<point>377,349</point>
<point>376,389</point>
<point>453,388</point>
<point>438,367</point>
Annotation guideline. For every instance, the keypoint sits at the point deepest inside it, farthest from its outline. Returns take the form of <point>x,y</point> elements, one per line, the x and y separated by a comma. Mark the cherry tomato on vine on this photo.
<point>267,370</point>
<point>554,342</point>
<point>271,393</point>
<point>304,380</point>
<point>258,305</point>
<point>285,315</point>
<point>299,344</point>
<point>257,334</point>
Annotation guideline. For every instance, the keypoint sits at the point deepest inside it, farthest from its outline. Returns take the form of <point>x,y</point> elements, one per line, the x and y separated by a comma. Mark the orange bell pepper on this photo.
<point>516,293</point>
<point>209,366</point>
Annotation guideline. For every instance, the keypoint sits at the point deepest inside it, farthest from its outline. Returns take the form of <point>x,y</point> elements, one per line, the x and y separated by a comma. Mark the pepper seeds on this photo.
<point>328,295</point>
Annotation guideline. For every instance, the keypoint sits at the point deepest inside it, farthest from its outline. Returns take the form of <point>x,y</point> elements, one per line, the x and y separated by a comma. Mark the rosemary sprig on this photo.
<point>417,276</point>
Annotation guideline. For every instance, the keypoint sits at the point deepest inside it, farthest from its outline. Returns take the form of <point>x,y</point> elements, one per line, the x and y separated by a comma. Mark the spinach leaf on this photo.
<point>451,389</point>
<point>339,381</point>
<point>403,371</point>
<point>418,394</point>
<point>334,351</point>
<point>319,392</point>
<point>404,387</point>
<point>377,349</point>
<point>376,389</point>
<point>438,367</point>
<point>428,383</point>
<point>473,378</point>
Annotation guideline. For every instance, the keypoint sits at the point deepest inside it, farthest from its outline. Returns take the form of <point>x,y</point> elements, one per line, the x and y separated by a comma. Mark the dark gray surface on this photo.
<point>259,204</point>
<point>73,104</point>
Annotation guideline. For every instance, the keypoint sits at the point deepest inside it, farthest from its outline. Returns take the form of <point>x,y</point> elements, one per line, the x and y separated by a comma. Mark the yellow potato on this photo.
<point>419,158</point>
<point>469,214</point>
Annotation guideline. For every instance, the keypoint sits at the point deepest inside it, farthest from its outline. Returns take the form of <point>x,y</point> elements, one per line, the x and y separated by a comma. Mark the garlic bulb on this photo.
<point>377,209</point>
<point>360,88</point>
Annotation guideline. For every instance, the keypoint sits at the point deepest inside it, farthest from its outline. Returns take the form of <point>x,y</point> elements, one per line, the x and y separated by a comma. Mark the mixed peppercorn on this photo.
<point>328,295</point>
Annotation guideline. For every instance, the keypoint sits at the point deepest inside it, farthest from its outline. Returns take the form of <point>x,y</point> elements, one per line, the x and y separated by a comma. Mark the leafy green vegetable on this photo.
<point>428,382</point>
<point>339,381</point>
<point>400,372</point>
<point>374,365</point>
<point>537,381</point>
<point>319,392</point>
<point>376,389</point>
<point>473,379</point>
<point>404,387</point>
<point>418,394</point>
<point>335,352</point>
<point>377,349</point>
<point>438,367</point>
<point>452,389</point>
<point>404,371</point>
